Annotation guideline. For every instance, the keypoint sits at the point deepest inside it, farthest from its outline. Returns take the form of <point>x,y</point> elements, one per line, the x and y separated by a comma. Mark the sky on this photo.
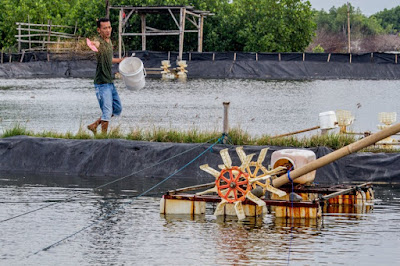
<point>368,7</point>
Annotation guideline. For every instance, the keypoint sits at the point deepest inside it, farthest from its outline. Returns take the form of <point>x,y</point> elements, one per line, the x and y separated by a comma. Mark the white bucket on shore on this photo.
<point>327,120</point>
<point>133,72</point>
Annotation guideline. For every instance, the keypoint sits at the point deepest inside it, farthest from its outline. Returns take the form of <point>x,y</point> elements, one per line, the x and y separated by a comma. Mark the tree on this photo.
<point>389,19</point>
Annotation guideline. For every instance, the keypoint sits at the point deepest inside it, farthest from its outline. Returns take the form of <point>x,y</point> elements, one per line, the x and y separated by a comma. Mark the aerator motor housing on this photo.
<point>293,159</point>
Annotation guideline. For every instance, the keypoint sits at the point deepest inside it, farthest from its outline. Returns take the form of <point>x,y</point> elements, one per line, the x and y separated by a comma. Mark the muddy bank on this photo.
<point>90,163</point>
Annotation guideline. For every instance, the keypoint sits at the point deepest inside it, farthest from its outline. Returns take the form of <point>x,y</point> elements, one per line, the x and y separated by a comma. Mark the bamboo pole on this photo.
<point>48,41</point>
<point>344,191</point>
<point>354,147</point>
<point>181,31</point>
<point>348,28</point>
<point>226,121</point>
<point>19,39</point>
<point>200,34</point>
<point>295,132</point>
<point>143,18</point>
<point>29,32</point>
<point>22,56</point>
<point>120,34</point>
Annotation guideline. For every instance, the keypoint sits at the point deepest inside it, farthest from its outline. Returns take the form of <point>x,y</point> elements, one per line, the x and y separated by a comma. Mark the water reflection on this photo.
<point>137,234</point>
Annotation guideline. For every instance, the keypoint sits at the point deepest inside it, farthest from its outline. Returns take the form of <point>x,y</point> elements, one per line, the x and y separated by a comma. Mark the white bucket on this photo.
<point>133,72</point>
<point>327,120</point>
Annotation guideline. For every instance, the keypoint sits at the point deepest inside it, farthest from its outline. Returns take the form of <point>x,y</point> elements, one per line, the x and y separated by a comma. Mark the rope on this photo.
<point>292,218</point>
<point>109,183</point>
<point>117,209</point>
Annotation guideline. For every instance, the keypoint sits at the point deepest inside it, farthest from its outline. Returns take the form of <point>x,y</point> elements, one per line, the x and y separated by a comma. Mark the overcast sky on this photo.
<point>368,7</point>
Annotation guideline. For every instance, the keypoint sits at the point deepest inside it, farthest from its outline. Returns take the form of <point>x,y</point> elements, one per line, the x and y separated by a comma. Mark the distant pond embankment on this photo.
<point>264,66</point>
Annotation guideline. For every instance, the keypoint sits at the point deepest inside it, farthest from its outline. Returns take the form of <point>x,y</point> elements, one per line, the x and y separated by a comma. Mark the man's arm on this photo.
<point>117,60</point>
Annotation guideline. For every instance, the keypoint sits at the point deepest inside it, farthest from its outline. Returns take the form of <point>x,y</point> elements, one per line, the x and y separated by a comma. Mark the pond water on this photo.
<point>123,231</point>
<point>126,231</point>
<point>259,107</point>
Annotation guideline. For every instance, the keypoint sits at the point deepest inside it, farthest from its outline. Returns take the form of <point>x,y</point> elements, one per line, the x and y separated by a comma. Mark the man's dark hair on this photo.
<point>101,20</point>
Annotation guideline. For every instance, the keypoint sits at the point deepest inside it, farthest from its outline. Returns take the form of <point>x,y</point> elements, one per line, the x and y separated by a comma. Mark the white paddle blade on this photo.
<point>242,155</point>
<point>239,211</point>
<point>220,208</point>
<point>255,199</point>
<point>226,158</point>
<point>274,190</point>
<point>262,155</point>
<point>208,191</point>
<point>208,169</point>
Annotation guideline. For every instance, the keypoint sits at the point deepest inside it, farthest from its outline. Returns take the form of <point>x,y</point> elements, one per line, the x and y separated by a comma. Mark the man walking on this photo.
<point>106,93</point>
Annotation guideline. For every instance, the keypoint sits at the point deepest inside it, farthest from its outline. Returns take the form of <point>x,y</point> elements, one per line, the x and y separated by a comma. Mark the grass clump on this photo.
<point>236,136</point>
<point>17,130</point>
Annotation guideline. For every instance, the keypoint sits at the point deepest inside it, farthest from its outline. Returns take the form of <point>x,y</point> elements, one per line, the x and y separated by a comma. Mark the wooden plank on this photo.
<point>43,35</point>
<point>46,31</point>
<point>173,17</point>
<point>193,22</point>
<point>151,34</point>
<point>43,25</point>
<point>41,42</point>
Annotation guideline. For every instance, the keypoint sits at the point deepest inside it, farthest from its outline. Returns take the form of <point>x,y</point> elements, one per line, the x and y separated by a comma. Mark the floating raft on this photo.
<point>315,201</point>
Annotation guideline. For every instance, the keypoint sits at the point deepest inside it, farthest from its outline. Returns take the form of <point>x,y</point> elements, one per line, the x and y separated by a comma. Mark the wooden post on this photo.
<point>22,56</point>
<point>226,121</point>
<point>181,31</point>
<point>29,32</point>
<point>329,57</point>
<point>19,38</point>
<point>9,56</point>
<point>2,55</point>
<point>48,34</point>
<point>143,18</point>
<point>348,27</point>
<point>48,40</point>
<point>107,9</point>
<point>279,57</point>
<point>120,34</point>
<point>200,34</point>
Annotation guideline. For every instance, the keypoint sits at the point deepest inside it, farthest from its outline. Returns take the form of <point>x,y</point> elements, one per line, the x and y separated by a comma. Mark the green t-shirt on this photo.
<point>104,63</point>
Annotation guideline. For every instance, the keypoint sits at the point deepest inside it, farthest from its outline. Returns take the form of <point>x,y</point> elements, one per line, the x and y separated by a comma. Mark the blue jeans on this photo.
<point>109,101</point>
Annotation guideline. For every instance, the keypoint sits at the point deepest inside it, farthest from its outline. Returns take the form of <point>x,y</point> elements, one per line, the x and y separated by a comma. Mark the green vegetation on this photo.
<point>236,137</point>
<point>318,49</point>
<point>389,19</point>
<point>368,34</point>
<point>238,25</point>
<point>335,21</point>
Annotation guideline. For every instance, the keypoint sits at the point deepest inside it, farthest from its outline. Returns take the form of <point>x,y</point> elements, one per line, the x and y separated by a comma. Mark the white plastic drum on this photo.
<point>133,72</point>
